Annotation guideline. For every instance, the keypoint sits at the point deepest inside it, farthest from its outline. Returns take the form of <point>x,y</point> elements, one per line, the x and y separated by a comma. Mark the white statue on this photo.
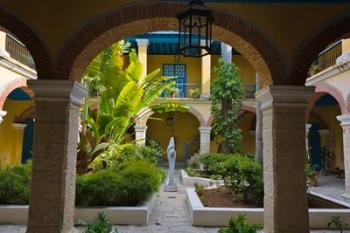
<point>170,184</point>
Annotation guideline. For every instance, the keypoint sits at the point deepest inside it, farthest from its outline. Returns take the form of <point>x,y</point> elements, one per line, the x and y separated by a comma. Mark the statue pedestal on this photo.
<point>170,188</point>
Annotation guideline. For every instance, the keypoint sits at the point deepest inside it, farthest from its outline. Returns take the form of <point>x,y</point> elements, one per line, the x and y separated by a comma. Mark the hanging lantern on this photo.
<point>195,30</point>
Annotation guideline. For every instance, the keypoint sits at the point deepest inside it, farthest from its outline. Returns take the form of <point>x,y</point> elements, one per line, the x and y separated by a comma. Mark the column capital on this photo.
<point>205,129</point>
<point>284,94</point>
<point>140,128</point>
<point>63,90</point>
<point>142,42</point>
<point>344,120</point>
<point>2,115</point>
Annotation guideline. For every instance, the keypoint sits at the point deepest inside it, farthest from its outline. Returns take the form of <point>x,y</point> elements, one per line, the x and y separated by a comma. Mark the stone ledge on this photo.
<point>139,215</point>
<point>218,217</point>
<point>191,180</point>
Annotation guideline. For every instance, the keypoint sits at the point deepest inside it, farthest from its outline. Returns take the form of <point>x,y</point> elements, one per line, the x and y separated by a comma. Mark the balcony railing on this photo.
<point>189,90</point>
<point>326,58</point>
<point>18,51</point>
<point>249,90</point>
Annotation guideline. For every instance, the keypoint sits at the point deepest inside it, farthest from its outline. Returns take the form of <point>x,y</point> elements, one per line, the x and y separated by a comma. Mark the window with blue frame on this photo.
<point>177,73</point>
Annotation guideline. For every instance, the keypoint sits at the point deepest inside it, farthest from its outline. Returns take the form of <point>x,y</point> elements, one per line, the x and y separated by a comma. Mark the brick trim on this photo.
<point>304,56</point>
<point>136,18</point>
<point>31,40</point>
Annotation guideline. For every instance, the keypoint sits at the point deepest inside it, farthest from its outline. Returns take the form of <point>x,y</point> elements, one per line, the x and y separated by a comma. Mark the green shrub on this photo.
<point>15,184</point>
<point>135,182</point>
<point>243,175</point>
<point>119,154</point>
<point>100,225</point>
<point>210,159</point>
<point>240,225</point>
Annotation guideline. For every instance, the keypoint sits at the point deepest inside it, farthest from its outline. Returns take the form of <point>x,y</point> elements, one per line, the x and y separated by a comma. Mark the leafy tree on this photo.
<point>226,101</point>
<point>123,93</point>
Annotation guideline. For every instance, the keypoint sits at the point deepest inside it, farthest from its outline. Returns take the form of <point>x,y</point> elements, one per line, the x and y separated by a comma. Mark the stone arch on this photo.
<point>307,52</point>
<point>18,83</point>
<point>137,18</point>
<point>42,59</point>
<point>321,90</point>
<point>245,108</point>
<point>145,114</point>
<point>28,112</point>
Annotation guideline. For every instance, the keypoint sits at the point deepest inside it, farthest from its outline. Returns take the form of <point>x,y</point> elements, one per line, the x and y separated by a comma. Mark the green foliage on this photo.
<point>116,154</point>
<point>243,175</point>
<point>338,222</point>
<point>100,225</point>
<point>226,101</point>
<point>195,92</point>
<point>133,183</point>
<point>210,160</point>
<point>240,225</point>
<point>15,184</point>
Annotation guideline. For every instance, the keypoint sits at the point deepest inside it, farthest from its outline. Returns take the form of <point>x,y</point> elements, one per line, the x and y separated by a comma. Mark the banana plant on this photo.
<point>123,92</point>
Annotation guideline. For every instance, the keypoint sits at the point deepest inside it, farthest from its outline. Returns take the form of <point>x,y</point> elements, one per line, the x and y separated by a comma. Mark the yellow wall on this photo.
<point>246,69</point>
<point>10,139</point>
<point>193,66</point>
<point>185,128</point>
<point>248,141</point>
<point>333,140</point>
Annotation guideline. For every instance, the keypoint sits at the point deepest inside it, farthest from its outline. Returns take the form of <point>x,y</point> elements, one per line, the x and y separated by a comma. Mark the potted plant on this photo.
<point>195,93</point>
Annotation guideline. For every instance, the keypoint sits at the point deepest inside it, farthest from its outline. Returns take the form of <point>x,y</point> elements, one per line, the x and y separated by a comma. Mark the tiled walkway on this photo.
<point>332,188</point>
<point>170,215</point>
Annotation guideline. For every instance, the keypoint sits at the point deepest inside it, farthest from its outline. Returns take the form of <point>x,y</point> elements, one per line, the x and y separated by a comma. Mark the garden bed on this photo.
<point>219,216</point>
<point>192,180</point>
<point>123,215</point>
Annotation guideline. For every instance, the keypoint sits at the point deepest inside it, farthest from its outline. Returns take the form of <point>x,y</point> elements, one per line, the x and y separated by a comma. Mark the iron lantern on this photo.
<point>195,30</point>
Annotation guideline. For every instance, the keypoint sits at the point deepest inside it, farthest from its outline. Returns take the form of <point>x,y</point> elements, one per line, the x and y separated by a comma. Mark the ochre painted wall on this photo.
<point>193,66</point>
<point>185,128</point>
<point>10,139</point>
<point>334,139</point>
<point>246,69</point>
<point>247,125</point>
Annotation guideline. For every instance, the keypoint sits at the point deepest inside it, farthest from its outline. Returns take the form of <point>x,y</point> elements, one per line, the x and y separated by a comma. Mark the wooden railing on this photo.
<point>18,51</point>
<point>249,90</point>
<point>190,148</point>
<point>326,58</point>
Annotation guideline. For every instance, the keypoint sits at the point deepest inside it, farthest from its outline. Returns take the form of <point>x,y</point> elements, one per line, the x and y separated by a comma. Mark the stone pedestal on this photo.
<point>204,132</point>
<point>345,124</point>
<point>52,198</point>
<point>285,200</point>
<point>140,134</point>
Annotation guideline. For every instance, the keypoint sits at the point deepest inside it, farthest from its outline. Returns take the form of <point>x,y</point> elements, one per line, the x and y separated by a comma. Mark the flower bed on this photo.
<point>218,216</point>
<point>192,180</point>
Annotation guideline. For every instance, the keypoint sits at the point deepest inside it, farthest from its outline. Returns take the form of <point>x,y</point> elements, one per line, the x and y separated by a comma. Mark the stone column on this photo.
<point>204,139</point>
<point>345,124</point>
<point>142,45</point>
<point>206,76</point>
<point>258,125</point>
<point>285,199</point>
<point>226,52</point>
<point>17,145</point>
<point>52,198</point>
<point>2,115</point>
<point>140,134</point>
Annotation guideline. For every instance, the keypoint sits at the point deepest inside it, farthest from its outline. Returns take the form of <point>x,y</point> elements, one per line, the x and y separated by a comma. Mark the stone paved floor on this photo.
<point>332,187</point>
<point>169,215</point>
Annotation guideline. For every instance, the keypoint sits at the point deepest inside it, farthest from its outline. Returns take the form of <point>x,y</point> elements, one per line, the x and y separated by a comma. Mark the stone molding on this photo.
<point>140,128</point>
<point>142,42</point>
<point>283,94</point>
<point>344,120</point>
<point>204,129</point>
<point>58,90</point>
<point>18,126</point>
<point>2,115</point>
